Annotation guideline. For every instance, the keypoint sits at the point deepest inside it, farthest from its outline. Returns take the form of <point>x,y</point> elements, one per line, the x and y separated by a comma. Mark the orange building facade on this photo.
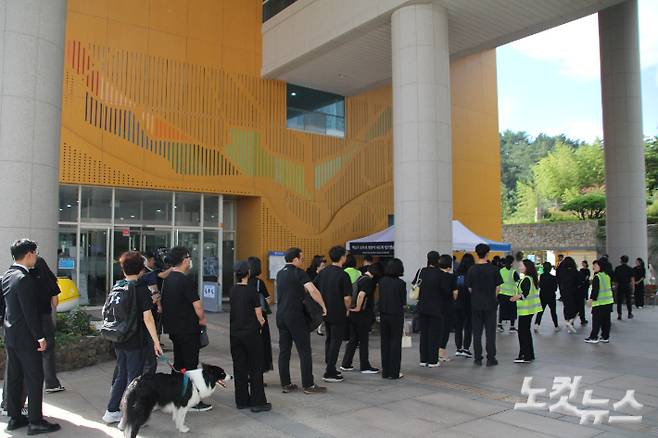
<point>166,95</point>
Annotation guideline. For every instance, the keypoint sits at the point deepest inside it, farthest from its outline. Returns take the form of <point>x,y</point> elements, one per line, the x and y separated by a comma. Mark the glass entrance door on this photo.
<point>131,239</point>
<point>94,262</point>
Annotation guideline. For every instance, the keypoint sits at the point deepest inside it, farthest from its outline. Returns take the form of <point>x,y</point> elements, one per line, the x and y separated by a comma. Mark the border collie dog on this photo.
<point>173,393</point>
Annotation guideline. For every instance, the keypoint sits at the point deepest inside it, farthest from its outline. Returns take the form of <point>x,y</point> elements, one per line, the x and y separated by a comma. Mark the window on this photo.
<point>68,203</point>
<point>142,207</point>
<point>273,7</point>
<point>96,205</point>
<point>187,210</point>
<point>315,111</point>
<point>211,211</point>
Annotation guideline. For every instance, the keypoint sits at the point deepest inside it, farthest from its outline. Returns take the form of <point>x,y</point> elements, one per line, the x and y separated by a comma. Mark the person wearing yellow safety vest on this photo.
<point>601,301</point>
<point>507,307</point>
<point>528,304</point>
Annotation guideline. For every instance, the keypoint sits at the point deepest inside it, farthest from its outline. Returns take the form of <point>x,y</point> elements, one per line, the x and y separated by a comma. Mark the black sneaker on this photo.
<point>262,408</point>
<point>370,370</point>
<point>58,388</point>
<point>201,407</point>
<point>349,368</point>
<point>519,360</point>
<point>17,423</point>
<point>333,378</point>
<point>315,389</point>
<point>42,426</point>
<point>618,317</point>
<point>512,329</point>
<point>467,353</point>
<point>592,340</point>
<point>478,362</point>
<point>630,316</point>
<point>492,362</point>
<point>604,340</point>
<point>289,388</point>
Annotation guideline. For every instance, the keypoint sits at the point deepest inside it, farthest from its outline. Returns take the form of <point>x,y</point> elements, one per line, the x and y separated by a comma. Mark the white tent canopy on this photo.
<point>381,242</point>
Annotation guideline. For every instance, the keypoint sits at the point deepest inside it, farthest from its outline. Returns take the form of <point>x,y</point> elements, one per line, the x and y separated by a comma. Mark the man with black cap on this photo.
<point>246,343</point>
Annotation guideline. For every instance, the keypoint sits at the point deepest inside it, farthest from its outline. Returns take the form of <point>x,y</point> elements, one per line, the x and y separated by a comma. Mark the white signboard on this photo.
<point>276,262</point>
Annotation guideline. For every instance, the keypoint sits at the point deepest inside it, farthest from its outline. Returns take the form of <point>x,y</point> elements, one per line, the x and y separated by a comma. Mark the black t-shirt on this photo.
<point>435,298</point>
<point>138,339</point>
<point>623,275</point>
<point>483,279</point>
<point>244,299</point>
<point>365,284</point>
<point>547,285</point>
<point>46,287</point>
<point>639,273</point>
<point>392,296</point>
<point>334,285</point>
<point>178,314</point>
<point>290,292</point>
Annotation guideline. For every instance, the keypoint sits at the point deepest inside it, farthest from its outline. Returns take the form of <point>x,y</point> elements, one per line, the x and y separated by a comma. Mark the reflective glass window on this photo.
<point>96,204</point>
<point>188,209</point>
<point>68,203</point>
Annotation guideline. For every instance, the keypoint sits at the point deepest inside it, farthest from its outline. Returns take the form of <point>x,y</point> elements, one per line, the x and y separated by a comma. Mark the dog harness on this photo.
<point>183,371</point>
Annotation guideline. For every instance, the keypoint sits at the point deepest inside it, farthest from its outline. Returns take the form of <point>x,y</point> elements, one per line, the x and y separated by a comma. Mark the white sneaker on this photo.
<point>433,365</point>
<point>422,364</point>
<point>557,329</point>
<point>112,417</point>
<point>592,341</point>
<point>570,327</point>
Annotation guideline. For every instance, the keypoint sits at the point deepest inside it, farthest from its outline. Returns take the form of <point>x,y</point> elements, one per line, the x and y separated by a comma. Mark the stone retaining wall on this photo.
<point>554,236</point>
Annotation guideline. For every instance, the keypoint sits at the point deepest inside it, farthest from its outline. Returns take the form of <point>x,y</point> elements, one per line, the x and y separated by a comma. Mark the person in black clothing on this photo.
<point>317,264</point>
<point>430,310</point>
<point>367,262</point>
<point>129,353</point>
<point>625,283</point>
<point>246,343</point>
<point>547,294</point>
<point>583,283</point>
<point>255,269</point>
<point>292,283</point>
<point>336,288</point>
<point>24,342</point>
<point>463,327</point>
<point>392,299</point>
<point>568,282</point>
<point>183,316</point>
<point>600,314</point>
<point>360,320</point>
<point>639,274</point>
<point>484,280</point>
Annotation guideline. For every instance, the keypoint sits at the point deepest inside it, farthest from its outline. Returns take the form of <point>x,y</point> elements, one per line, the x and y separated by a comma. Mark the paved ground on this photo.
<point>458,399</point>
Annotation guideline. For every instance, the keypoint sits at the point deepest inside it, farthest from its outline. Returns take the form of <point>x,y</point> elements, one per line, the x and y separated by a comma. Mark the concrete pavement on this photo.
<point>457,399</point>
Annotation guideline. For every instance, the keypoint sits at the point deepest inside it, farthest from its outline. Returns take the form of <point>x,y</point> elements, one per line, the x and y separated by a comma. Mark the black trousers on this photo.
<point>431,330</point>
<point>624,295</point>
<point>391,344</point>
<point>552,305</point>
<point>334,335</point>
<point>359,337</point>
<point>463,328</point>
<point>186,350</point>
<point>526,347</point>
<point>295,330</point>
<point>639,295</point>
<point>580,305</point>
<point>266,337</point>
<point>49,369</point>
<point>247,354</point>
<point>601,321</point>
<point>446,325</point>
<point>24,370</point>
<point>484,320</point>
<point>506,309</point>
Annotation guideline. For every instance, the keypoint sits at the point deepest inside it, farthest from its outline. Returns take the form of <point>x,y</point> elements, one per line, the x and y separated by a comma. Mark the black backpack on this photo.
<point>120,313</point>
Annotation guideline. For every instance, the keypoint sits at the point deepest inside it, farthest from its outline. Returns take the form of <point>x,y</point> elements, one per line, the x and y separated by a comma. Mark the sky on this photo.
<point>549,82</point>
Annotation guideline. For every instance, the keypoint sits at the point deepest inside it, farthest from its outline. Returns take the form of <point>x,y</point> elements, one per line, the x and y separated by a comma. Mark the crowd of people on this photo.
<point>475,297</point>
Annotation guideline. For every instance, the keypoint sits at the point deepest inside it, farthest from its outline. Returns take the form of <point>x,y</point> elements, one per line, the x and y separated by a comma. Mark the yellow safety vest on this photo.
<point>605,291</point>
<point>531,304</point>
<point>509,285</point>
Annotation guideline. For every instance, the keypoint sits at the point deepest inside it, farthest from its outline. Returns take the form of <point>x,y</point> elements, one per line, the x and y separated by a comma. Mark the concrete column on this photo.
<point>31,68</point>
<point>626,221</point>
<point>422,163</point>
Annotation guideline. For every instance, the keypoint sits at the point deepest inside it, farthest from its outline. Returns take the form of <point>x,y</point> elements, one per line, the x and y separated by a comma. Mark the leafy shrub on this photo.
<point>73,325</point>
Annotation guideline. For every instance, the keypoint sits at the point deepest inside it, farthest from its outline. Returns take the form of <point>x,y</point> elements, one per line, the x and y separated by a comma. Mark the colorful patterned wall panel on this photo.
<point>166,95</point>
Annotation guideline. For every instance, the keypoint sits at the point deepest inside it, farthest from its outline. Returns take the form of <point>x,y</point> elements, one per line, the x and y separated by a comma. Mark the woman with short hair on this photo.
<point>392,299</point>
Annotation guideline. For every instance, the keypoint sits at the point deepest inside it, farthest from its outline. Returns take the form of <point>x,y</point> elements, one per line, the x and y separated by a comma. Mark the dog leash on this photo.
<point>182,371</point>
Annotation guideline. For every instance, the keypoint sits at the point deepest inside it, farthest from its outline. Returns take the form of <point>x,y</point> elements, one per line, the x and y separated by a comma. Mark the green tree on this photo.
<point>590,165</point>
<point>651,163</point>
<point>587,206</point>
<point>556,173</point>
